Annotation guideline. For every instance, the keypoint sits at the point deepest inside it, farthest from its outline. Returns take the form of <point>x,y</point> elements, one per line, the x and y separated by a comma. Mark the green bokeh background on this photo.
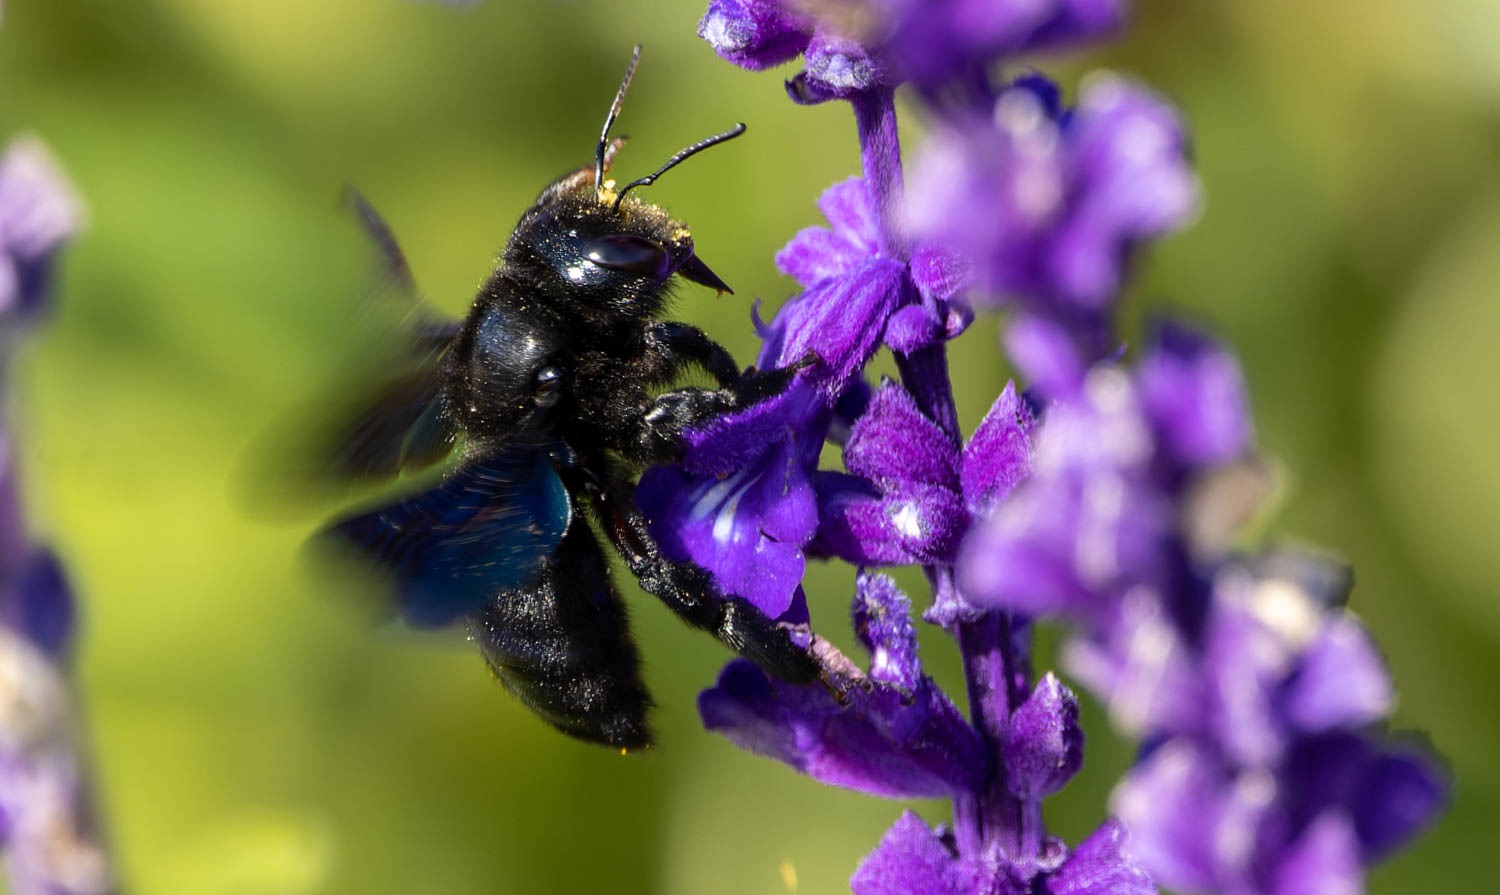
<point>251,736</point>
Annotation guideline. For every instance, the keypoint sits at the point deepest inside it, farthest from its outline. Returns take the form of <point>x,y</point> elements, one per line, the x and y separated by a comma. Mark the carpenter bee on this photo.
<point>547,386</point>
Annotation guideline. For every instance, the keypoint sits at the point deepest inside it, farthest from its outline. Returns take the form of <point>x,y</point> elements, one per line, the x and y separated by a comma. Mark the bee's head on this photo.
<point>589,239</point>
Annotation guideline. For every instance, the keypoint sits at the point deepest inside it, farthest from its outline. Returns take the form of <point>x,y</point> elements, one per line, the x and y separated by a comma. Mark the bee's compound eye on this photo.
<point>627,252</point>
<point>548,385</point>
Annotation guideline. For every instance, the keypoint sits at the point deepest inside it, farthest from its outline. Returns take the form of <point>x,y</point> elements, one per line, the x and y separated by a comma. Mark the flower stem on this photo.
<point>996,825</point>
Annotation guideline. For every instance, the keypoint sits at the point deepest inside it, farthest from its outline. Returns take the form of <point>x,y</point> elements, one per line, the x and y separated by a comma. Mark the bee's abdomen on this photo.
<point>563,646</point>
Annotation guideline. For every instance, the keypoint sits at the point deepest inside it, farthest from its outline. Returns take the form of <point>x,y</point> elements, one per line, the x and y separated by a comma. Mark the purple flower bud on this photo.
<point>895,442</point>
<point>882,622</point>
<point>754,34</point>
<point>998,456</point>
<point>1043,746</point>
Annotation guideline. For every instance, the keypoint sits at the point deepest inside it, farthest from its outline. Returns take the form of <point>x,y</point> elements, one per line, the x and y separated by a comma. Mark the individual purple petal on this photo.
<point>851,211</point>
<point>1195,395</point>
<point>840,321</point>
<point>910,860</point>
<point>1324,861</point>
<point>1131,182</point>
<point>1102,865</point>
<point>1074,21</point>
<point>748,529</point>
<point>907,524</point>
<point>998,455</point>
<point>1043,745</point>
<point>1390,791</point>
<point>1245,661</point>
<point>1171,804</point>
<point>932,43</point>
<point>882,622</point>
<point>38,213</point>
<point>895,442</point>
<point>1402,792</point>
<point>883,741</point>
<point>731,442</point>
<point>1046,354</point>
<point>1340,681</point>
<point>754,34</point>
<point>940,274</point>
<point>1143,670</point>
<point>816,254</point>
<point>913,328</point>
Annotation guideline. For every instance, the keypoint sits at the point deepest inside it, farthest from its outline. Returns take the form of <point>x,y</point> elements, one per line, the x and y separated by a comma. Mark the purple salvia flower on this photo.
<point>743,503</point>
<point>38,213</point>
<point>912,493</point>
<point>1049,203</point>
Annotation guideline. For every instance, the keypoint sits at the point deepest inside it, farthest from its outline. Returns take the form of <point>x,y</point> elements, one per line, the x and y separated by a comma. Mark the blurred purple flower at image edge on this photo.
<point>48,833</point>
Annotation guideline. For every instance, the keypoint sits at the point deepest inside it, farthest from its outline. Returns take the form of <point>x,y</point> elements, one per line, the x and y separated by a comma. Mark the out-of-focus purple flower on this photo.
<point>1100,514</point>
<point>934,42</point>
<point>1309,823</point>
<point>47,829</point>
<point>38,213</point>
<point>1050,203</point>
<point>855,45</point>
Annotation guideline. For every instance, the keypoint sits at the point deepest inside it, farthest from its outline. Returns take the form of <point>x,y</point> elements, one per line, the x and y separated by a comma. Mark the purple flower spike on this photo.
<point>1043,745</point>
<point>38,213</point>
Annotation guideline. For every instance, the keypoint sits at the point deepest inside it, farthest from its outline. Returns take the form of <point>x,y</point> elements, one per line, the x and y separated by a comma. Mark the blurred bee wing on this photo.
<point>492,525</point>
<point>366,424</point>
<point>396,268</point>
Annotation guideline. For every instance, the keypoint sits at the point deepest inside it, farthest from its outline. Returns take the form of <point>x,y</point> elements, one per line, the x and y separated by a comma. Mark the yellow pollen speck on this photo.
<point>789,875</point>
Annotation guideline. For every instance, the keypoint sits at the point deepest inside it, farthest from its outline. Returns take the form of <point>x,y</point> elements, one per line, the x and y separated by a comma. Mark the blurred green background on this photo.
<point>252,736</point>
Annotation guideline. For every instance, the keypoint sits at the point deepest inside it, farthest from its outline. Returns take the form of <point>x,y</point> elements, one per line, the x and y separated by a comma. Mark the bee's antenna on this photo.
<point>609,121</point>
<point>677,159</point>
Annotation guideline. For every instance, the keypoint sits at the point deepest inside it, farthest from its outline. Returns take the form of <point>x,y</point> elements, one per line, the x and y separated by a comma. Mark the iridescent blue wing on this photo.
<point>493,524</point>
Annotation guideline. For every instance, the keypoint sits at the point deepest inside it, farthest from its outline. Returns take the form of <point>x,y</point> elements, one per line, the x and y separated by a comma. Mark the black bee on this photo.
<point>547,384</point>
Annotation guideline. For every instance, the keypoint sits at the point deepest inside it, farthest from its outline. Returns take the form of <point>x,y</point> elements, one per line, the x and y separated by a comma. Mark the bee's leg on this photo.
<point>689,591</point>
<point>670,346</point>
<point>656,435</point>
